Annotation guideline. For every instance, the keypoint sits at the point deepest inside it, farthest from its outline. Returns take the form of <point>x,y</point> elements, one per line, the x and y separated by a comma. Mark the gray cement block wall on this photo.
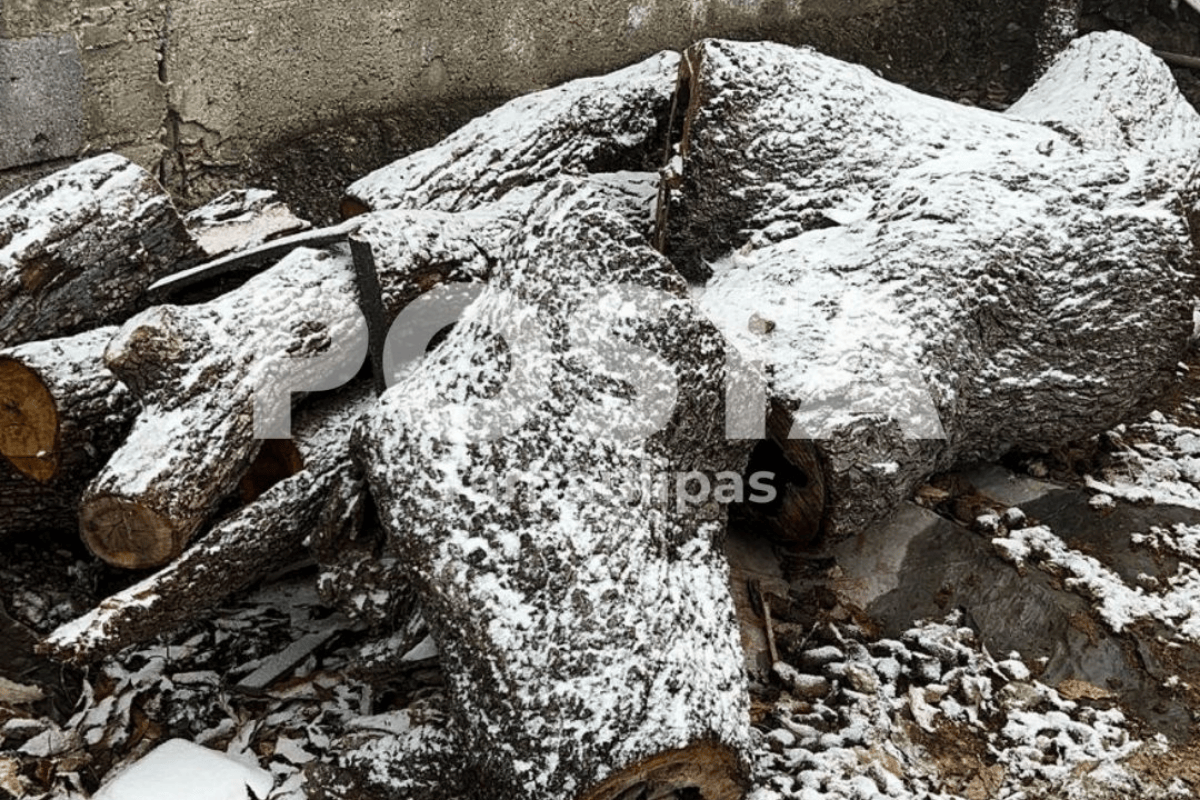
<point>306,95</point>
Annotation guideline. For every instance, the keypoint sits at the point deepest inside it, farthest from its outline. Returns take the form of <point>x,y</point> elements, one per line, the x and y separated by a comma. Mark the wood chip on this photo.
<point>1072,689</point>
<point>19,694</point>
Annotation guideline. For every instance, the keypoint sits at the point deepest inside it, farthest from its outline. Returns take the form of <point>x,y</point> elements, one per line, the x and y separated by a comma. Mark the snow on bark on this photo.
<point>589,639</point>
<point>62,414</point>
<point>603,124</point>
<point>400,755</point>
<point>906,267</point>
<point>242,219</point>
<point>198,371</point>
<point>1110,92</point>
<point>323,499</point>
<point>1058,26</point>
<point>79,248</point>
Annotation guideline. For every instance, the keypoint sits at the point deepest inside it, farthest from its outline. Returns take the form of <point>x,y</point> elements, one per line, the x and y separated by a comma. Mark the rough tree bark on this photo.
<point>27,506</point>
<point>608,123</point>
<point>395,756</point>
<point>62,411</point>
<point>904,266</point>
<point>1058,26</point>
<point>588,636</point>
<point>322,499</point>
<point>415,252</point>
<point>62,414</point>
<point>198,371</point>
<point>79,248</point>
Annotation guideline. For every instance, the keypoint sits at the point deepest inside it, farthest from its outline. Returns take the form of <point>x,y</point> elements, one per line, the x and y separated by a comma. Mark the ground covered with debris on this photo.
<point>849,710</point>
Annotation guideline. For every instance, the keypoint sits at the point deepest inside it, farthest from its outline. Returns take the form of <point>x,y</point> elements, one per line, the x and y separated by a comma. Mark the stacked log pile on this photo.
<point>883,285</point>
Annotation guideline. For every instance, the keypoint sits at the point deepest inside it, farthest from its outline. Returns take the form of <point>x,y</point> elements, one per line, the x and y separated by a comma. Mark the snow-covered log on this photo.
<point>62,412</point>
<point>79,248</point>
<point>199,372</point>
<point>587,633</point>
<point>906,267</point>
<point>608,123</point>
<point>322,499</point>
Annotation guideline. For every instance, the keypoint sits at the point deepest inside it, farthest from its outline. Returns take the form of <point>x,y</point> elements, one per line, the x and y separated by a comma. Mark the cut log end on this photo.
<point>353,207</point>
<point>28,422</point>
<point>712,769</point>
<point>129,535</point>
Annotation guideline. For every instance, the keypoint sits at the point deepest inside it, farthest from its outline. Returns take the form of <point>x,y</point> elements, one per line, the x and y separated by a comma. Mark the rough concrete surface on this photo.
<point>306,95</point>
<point>41,91</point>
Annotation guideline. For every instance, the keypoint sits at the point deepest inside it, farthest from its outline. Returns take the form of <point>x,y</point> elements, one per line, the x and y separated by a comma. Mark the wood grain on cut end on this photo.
<point>353,207</point>
<point>708,767</point>
<point>129,535</point>
<point>28,422</point>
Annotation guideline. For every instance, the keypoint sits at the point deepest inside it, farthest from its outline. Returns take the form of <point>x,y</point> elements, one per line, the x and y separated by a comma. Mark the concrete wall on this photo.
<point>306,95</point>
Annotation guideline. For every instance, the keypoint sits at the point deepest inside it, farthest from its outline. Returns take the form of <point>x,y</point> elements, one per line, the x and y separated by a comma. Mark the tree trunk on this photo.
<point>930,284</point>
<point>79,248</point>
<point>610,123</point>
<point>199,371</point>
<point>588,637</point>
<point>322,499</point>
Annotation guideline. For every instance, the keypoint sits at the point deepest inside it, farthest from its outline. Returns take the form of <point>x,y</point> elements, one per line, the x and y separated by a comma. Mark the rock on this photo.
<point>862,678</point>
